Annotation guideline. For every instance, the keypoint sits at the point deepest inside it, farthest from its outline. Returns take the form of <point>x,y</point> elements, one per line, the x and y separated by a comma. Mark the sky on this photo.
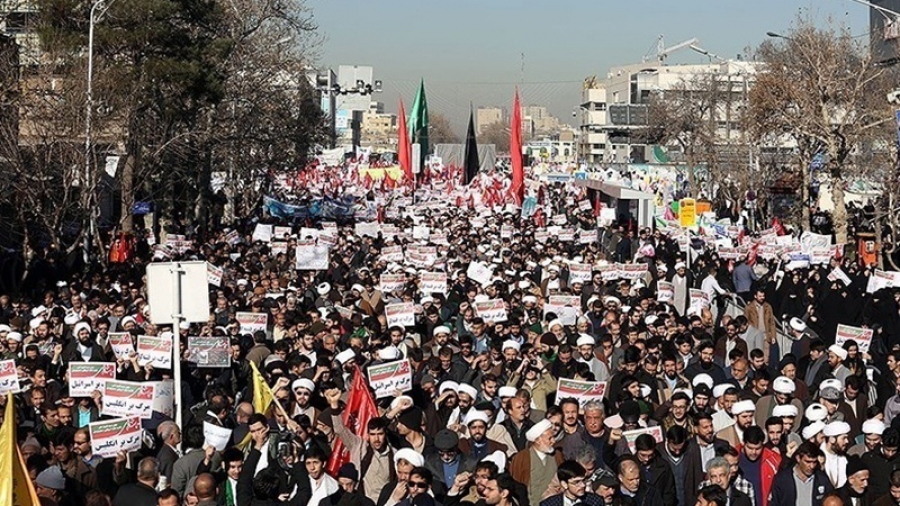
<point>471,51</point>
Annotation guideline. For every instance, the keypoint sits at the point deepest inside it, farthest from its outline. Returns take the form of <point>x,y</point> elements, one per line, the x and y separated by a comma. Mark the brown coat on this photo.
<point>520,465</point>
<point>752,314</point>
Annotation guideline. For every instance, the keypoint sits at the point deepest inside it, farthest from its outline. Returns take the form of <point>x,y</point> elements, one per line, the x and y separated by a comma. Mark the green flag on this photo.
<point>418,122</point>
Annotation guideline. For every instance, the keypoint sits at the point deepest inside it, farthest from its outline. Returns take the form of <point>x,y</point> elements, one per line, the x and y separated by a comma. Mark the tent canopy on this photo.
<point>616,191</point>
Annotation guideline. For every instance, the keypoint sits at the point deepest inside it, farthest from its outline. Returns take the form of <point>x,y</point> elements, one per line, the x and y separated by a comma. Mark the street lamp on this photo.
<point>87,185</point>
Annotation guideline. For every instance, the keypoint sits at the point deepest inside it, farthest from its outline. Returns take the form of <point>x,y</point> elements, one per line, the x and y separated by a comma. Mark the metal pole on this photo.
<point>176,338</point>
<point>86,183</point>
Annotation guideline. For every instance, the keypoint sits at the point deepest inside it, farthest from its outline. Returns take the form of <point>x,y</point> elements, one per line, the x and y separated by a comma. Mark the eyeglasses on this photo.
<point>418,484</point>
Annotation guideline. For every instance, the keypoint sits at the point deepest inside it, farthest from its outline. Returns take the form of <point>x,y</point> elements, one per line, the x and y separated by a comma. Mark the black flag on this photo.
<point>471,160</point>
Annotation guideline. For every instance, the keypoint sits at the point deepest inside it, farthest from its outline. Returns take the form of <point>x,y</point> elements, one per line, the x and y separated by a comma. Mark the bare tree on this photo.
<point>820,87</point>
<point>440,131</point>
<point>496,134</point>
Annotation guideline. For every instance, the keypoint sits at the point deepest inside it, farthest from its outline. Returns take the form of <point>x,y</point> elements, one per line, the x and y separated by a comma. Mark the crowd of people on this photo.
<point>740,397</point>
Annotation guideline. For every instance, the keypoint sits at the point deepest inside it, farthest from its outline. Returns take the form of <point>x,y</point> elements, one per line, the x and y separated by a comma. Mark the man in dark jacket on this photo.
<point>656,472</point>
<point>882,461</point>
<point>142,493</point>
<point>805,474</point>
<point>633,486</point>
<point>856,491</point>
<point>700,449</point>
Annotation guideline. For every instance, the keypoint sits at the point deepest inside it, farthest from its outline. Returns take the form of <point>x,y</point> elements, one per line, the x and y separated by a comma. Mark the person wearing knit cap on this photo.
<point>831,397</point>
<point>539,453</point>
<point>856,491</point>
<point>837,442</point>
<point>743,419</point>
<point>446,462</point>
<point>836,357</point>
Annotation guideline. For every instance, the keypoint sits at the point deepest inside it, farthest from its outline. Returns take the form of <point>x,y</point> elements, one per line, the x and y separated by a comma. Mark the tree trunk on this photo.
<point>839,215</point>
<point>132,161</point>
<point>879,246</point>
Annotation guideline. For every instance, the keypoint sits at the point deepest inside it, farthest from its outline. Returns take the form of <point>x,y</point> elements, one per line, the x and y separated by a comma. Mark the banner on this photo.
<point>401,315</point>
<point>122,345</point>
<point>251,322</point>
<point>109,437</point>
<point>632,271</point>
<point>632,435</point>
<point>479,273</point>
<point>156,351</point>
<point>493,310</point>
<point>128,398</point>
<point>433,282</point>
<point>281,233</point>
<point>386,379</point>
<point>687,213</point>
<point>665,291</point>
<point>366,229</point>
<point>9,377</point>
<point>581,391</point>
<point>839,275</point>
<point>210,351</point>
<point>862,337</point>
<point>85,377</point>
<point>310,256</point>
<point>164,402</point>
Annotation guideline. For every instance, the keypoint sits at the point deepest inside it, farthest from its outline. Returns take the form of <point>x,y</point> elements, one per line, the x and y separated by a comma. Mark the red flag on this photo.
<point>404,153</point>
<point>517,189</point>
<point>359,409</point>
<point>752,255</point>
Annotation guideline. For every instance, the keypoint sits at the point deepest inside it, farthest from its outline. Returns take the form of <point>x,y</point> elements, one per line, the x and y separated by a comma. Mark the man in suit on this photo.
<point>185,468</point>
<point>170,435</point>
<point>571,477</point>
<point>806,474</point>
<point>699,451</point>
<point>633,485</point>
<point>142,493</point>
<point>855,404</point>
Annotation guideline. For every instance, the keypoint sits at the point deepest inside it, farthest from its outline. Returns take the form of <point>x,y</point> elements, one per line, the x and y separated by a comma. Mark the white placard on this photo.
<point>493,310</point>
<point>387,378</point>
<point>311,257</point>
<point>401,315</point>
<point>262,233</point>
<point>215,436</point>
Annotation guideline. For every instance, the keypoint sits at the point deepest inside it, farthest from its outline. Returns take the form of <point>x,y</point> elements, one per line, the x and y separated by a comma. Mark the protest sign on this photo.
<point>210,351</point>
<point>310,256</point>
<point>281,233</point>
<point>392,254</point>
<point>433,282</point>
<point>128,398</point>
<point>262,233</point>
<point>164,402</point>
<point>278,248</point>
<point>862,337</point>
<point>839,275</point>
<point>214,274</point>
<point>109,437</point>
<point>584,205</point>
<point>581,391</point>
<point>402,314</point>
<point>880,279</point>
<point>665,291</point>
<point>479,273</point>
<point>632,435</point>
<point>387,378</point>
<point>85,377</point>
<point>493,310</point>
<point>251,322</point>
<point>156,351</point>
<point>421,232</point>
<point>392,282</point>
<point>541,236</point>
<point>367,229</point>
<point>9,377</point>
<point>633,271</point>
<point>215,436</point>
<point>698,298</point>
<point>122,344</point>
<point>566,235</point>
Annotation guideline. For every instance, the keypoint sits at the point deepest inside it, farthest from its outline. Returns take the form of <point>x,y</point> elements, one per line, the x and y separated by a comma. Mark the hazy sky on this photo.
<point>471,51</point>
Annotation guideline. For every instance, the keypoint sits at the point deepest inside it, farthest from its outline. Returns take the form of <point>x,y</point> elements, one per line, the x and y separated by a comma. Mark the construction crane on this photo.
<point>711,56</point>
<point>662,51</point>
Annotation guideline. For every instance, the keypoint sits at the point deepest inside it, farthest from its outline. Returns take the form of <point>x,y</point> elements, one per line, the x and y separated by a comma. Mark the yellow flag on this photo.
<point>262,394</point>
<point>16,487</point>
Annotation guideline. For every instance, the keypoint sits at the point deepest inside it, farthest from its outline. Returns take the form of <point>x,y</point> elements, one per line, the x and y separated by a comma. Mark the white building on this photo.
<point>613,109</point>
